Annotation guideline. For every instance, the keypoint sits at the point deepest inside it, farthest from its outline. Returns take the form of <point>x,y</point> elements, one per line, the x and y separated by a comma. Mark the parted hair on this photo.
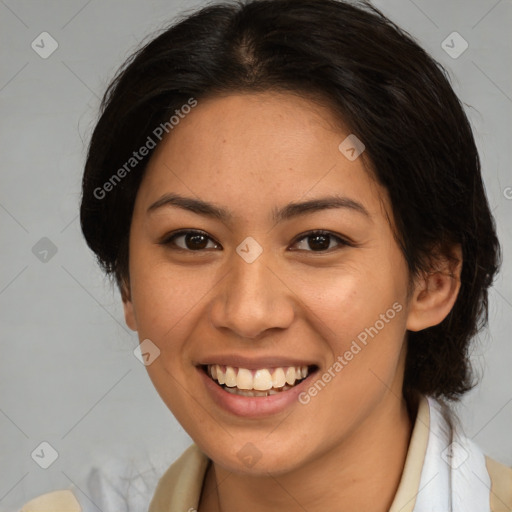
<point>377,81</point>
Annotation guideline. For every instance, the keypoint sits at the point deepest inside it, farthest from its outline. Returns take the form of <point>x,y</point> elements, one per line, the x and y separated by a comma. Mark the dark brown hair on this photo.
<point>377,80</point>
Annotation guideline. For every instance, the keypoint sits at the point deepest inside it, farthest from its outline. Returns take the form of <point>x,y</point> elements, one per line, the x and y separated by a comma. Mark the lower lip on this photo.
<point>253,406</point>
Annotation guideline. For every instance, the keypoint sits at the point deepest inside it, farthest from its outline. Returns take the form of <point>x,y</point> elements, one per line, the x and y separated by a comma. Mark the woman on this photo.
<point>288,194</point>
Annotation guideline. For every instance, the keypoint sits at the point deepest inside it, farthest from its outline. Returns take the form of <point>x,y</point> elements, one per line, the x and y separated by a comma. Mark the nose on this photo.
<point>252,299</point>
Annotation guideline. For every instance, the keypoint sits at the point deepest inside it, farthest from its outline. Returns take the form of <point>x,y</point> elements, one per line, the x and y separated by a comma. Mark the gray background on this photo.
<point>68,374</point>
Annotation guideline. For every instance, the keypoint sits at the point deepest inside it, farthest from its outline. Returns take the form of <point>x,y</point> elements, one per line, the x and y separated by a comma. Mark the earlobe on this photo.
<point>435,292</point>
<point>129,312</point>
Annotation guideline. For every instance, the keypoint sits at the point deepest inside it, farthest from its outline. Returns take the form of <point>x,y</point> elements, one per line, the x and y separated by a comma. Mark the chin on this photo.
<point>258,458</point>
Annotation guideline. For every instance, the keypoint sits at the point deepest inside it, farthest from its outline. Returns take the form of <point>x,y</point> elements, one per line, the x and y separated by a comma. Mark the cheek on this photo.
<point>360,315</point>
<point>346,301</point>
<point>167,301</point>
<point>163,297</point>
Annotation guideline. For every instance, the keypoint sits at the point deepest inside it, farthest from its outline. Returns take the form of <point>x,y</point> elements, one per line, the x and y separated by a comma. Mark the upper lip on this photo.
<point>254,363</point>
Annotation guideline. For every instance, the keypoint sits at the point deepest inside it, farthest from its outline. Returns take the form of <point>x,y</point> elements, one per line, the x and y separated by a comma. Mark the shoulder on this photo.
<point>180,486</point>
<point>501,485</point>
<point>121,487</point>
<point>56,501</point>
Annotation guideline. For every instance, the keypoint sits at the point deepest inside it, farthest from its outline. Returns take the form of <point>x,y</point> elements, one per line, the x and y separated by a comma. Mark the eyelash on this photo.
<point>169,240</point>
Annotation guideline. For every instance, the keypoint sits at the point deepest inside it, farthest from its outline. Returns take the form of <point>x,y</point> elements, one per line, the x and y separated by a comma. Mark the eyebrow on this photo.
<point>287,212</point>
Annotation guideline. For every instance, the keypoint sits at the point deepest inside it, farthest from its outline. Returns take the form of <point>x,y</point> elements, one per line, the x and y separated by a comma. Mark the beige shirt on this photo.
<point>179,489</point>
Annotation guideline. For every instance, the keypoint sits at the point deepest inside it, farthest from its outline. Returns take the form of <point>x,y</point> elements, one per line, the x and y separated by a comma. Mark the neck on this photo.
<point>362,473</point>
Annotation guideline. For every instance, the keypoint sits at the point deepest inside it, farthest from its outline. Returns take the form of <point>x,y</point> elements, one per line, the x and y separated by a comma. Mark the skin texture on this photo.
<point>251,153</point>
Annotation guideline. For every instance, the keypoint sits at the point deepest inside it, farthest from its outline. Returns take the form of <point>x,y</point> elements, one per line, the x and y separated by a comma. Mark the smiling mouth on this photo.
<point>257,383</point>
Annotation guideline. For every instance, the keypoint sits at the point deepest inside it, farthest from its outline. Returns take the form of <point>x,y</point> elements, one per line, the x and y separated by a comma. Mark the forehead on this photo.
<point>256,151</point>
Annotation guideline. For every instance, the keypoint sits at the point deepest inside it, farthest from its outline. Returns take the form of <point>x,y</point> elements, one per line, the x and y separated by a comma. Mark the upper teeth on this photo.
<point>261,379</point>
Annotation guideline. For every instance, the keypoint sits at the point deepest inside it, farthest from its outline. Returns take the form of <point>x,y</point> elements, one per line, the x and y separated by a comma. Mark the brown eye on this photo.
<point>319,241</point>
<point>191,240</point>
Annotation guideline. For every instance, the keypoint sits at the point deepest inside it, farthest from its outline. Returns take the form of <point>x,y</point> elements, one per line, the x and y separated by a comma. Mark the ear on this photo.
<point>436,291</point>
<point>129,311</point>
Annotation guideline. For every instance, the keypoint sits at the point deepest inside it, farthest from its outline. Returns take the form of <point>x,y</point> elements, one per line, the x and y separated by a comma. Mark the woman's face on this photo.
<point>256,292</point>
